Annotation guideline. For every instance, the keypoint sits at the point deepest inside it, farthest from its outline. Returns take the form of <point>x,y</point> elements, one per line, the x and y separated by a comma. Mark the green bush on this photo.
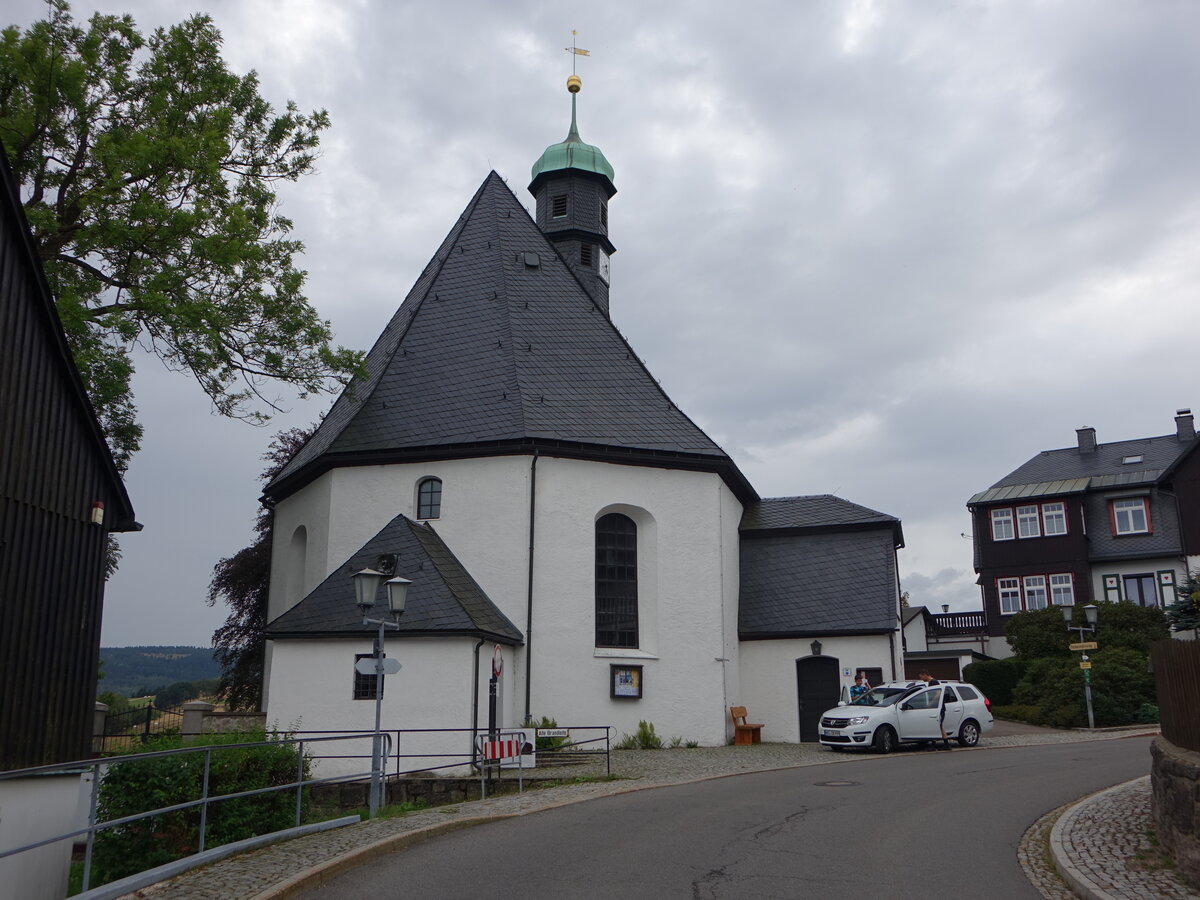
<point>1147,714</point>
<point>1038,634</point>
<point>645,739</point>
<point>996,678</point>
<point>1124,625</point>
<point>140,785</point>
<point>1019,713</point>
<point>547,743</point>
<point>1120,687</point>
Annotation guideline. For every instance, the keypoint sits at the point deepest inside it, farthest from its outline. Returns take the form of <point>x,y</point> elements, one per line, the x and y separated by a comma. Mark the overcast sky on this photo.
<point>885,250</point>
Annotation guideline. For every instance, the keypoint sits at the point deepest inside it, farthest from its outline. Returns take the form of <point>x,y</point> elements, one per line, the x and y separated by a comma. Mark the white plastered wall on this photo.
<point>688,576</point>
<point>914,635</point>
<point>315,687</point>
<point>768,675</point>
<point>1136,567</point>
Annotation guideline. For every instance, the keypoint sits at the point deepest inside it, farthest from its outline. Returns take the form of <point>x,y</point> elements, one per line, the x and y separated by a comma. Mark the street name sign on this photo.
<point>554,732</point>
<point>1085,645</point>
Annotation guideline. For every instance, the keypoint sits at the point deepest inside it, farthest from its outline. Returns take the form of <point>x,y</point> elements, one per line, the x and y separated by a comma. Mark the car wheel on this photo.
<point>968,735</point>
<point>885,739</point>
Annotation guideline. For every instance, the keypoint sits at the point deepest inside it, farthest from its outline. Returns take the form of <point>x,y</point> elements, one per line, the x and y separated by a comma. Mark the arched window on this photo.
<point>429,498</point>
<point>296,561</point>
<point>616,581</point>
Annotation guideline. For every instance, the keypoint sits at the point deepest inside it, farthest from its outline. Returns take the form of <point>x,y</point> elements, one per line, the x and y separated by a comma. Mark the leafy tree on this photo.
<point>242,581</point>
<point>1036,634</point>
<point>148,171</point>
<point>1184,613</point>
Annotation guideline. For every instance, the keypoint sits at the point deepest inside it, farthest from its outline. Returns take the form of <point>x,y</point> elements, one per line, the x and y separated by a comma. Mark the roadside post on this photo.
<point>1090,613</point>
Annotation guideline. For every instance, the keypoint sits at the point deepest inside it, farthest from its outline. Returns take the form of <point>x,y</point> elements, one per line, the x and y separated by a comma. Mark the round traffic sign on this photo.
<point>497,661</point>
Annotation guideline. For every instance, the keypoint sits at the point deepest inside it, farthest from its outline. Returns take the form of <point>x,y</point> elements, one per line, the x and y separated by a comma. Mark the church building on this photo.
<point>509,453</point>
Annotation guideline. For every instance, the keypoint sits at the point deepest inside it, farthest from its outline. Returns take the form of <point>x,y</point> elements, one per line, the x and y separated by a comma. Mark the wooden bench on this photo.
<point>744,732</point>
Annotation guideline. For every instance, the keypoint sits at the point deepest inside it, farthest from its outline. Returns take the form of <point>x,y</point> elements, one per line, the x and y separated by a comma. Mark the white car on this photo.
<point>908,712</point>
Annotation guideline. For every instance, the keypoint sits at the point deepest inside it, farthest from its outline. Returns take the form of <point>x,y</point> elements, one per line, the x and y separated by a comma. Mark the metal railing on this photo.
<point>586,742</point>
<point>1177,680</point>
<point>99,766</point>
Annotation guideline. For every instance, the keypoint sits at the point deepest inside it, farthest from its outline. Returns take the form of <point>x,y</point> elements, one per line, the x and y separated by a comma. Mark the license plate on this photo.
<point>828,732</point>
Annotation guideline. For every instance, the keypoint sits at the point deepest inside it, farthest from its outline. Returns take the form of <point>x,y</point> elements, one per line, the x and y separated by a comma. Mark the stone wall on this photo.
<point>1175,810</point>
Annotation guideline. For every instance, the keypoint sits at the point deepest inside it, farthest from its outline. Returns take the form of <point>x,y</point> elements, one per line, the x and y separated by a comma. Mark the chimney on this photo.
<point>1185,428</point>
<point>1087,439</point>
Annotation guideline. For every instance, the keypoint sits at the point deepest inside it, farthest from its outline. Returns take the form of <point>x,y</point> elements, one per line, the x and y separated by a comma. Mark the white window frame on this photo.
<point>1009,589</point>
<point>1029,523</point>
<point>1054,513</point>
<point>1125,512</point>
<point>1035,585</point>
<point>1062,589</point>
<point>1003,518</point>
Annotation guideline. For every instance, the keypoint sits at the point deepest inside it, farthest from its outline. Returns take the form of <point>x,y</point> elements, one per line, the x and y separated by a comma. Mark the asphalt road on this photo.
<point>913,825</point>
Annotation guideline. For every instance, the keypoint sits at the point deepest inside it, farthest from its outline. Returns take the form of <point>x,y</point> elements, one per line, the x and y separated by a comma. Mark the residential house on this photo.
<point>1090,523</point>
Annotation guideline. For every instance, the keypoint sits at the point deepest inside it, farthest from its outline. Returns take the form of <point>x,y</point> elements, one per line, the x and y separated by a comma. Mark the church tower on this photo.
<point>572,183</point>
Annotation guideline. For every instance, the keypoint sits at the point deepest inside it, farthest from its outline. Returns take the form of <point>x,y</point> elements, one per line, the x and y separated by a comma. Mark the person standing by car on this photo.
<point>929,680</point>
<point>860,687</point>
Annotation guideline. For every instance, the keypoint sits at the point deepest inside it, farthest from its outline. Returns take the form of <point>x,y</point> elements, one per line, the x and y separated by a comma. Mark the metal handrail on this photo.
<point>79,767</point>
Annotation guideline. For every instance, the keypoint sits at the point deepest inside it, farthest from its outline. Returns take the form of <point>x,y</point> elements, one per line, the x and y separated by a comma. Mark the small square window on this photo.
<point>1054,518</point>
<point>1128,460</point>
<point>364,685</point>
<point>558,206</point>
<point>1028,523</point>
<point>1130,516</point>
<point>429,499</point>
<point>1002,525</point>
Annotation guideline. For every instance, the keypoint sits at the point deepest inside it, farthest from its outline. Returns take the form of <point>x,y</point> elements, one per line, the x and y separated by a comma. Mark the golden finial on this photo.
<point>573,82</point>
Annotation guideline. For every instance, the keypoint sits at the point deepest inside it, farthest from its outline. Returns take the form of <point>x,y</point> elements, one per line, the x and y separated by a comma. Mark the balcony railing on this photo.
<point>945,624</point>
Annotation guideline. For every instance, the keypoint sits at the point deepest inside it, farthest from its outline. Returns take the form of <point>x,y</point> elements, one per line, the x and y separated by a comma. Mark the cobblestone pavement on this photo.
<point>272,871</point>
<point>1101,846</point>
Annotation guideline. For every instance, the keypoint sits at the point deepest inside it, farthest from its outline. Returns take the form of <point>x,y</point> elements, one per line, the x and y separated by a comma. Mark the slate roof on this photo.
<point>487,351</point>
<point>818,584</point>
<point>443,599</point>
<point>818,512</point>
<point>1069,471</point>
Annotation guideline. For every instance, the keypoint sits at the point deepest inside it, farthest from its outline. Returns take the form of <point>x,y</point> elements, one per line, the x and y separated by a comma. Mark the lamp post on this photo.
<point>366,585</point>
<point>1090,613</point>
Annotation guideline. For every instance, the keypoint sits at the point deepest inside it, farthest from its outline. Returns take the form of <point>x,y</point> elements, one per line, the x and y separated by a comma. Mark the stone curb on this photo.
<point>1078,881</point>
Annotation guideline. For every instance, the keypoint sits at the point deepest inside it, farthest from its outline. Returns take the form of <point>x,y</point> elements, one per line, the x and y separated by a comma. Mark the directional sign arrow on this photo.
<point>367,666</point>
<point>1085,645</point>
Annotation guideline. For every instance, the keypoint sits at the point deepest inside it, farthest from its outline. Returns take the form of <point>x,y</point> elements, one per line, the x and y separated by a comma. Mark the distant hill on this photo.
<point>126,669</point>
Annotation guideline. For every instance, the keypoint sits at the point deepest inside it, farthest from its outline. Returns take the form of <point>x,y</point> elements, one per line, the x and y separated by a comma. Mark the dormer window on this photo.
<point>558,206</point>
<point>429,498</point>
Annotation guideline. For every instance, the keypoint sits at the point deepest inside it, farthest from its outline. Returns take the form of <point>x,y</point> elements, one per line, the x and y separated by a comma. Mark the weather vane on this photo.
<point>575,51</point>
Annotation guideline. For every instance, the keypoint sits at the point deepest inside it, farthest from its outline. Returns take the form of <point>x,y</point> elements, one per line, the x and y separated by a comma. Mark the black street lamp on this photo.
<point>366,586</point>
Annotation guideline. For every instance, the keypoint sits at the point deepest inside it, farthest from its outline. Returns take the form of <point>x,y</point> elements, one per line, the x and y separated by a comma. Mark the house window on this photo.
<point>1002,525</point>
<point>558,206</point>
<point>1129,460</point>
<point>1035,591</point>
<point>1054,519</point>
<point>429,498</point>
<point>616,581</point>
<point>1130,516</point>
<point>364,685</point>
<point>1028,523</point>
<point>585,255</point>
<point>1140,589</point>
<point>1062,590</point>
<point>1010,595</point>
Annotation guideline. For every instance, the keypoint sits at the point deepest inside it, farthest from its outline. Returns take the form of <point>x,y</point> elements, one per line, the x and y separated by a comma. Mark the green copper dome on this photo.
<point>572,153</point>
